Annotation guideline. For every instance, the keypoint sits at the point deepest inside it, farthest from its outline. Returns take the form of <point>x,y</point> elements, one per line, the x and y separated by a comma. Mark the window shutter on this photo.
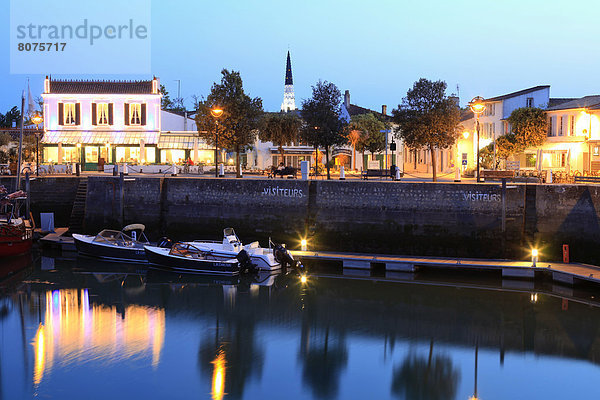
<point>78,114</point>
<point>143,113</point>
<point>110,113</point>
<point>61,114</point>
<point>126,113</point>
<point>94,115</point>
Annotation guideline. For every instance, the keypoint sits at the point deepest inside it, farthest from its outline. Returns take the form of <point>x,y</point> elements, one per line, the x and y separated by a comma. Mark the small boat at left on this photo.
<point>16,231</point>
<point>125,245</point>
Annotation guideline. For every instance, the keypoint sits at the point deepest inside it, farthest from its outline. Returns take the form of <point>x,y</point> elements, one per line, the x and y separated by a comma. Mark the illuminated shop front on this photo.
<point>92,148</point>
<point>179,147</point>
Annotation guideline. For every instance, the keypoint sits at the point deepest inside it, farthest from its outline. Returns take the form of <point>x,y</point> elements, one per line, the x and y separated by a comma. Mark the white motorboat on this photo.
<point>265,259</point>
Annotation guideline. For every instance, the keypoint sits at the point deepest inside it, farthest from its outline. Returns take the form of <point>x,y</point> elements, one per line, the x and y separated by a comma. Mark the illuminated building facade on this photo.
<point>107,122</point>
<point>573,142</point>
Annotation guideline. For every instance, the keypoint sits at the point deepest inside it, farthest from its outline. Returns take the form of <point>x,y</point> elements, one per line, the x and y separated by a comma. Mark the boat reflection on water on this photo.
<point>74,331</point>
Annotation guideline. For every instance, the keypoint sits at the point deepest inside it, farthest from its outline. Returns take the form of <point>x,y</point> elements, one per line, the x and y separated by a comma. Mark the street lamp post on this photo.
<point>589,114</point>
<point>216,113</point>
<point>37,119</point>
<point>477,106</point>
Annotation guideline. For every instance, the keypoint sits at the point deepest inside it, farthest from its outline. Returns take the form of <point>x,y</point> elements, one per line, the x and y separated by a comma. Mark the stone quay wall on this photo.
<point>55,194</point>
<point>462,220</point>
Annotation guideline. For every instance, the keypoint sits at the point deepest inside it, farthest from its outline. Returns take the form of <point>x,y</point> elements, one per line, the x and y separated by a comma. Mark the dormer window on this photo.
<point>69,113</point>
<point>135,114</point>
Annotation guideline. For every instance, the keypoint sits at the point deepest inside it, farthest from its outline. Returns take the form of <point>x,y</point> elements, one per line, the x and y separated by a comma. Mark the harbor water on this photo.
<point>81,328</point>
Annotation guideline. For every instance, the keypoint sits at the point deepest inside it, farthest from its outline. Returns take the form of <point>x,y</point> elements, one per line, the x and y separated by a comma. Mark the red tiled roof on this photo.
<point>101,87</point>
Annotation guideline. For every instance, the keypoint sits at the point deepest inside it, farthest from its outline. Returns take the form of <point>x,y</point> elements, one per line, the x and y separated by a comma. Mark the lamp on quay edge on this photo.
<point>37,119</point>
<point>477,106</point>
<point>216,113</point>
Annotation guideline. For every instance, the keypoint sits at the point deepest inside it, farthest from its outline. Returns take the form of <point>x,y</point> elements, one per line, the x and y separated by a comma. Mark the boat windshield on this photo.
<point>230,236</point>
<point>117,238</point>
<point>190,251</point>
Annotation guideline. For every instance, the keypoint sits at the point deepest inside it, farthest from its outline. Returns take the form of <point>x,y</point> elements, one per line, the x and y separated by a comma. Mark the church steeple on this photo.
<point>288,71</point>
<point>289,98</point>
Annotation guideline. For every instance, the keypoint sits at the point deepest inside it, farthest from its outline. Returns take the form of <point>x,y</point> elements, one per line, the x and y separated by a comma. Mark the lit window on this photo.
<point>560,126</point>
<point>135,114</point>
<point>102,113</point>
<point>69,110</point>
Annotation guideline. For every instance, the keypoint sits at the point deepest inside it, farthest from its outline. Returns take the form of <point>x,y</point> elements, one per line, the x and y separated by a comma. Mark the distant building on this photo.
<point>494,123</point>
<point>266,154</point>
<point>348,111</point>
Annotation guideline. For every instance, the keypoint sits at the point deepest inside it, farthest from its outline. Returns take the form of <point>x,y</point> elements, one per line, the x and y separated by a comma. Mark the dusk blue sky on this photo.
<point>374,49</point>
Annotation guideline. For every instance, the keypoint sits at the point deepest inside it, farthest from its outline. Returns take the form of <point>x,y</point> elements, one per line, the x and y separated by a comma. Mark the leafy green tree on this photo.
<point>354,136</point>
<point>530,127</point>
<point>282,129</point>
<point>240,119</point>
<point>427,118</point>
<point>321,114</point>
<point>370,136</point>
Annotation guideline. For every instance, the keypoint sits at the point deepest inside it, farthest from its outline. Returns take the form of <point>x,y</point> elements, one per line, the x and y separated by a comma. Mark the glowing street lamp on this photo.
<point>477,106</point>
<point>37,119</point>
<point>216,113</point>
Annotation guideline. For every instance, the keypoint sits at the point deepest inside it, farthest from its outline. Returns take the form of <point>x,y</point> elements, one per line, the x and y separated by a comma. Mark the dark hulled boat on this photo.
<point>125,245</point>
<point>186,257</point>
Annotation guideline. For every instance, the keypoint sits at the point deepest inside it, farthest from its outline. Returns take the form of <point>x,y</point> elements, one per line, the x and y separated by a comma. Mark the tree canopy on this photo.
<point>369,127</point>
<point>321,114</point>
<point>12,118</point>
<point>168,104</point>
<point>240,118</point>
<point>282,129</point>
<point>428,118</point>
<point>529,126</point>
<point>529,129</point>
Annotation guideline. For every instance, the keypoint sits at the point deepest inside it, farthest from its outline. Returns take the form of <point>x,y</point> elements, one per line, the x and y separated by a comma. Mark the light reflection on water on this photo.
<point>67,332</point>
<point>74,331</point>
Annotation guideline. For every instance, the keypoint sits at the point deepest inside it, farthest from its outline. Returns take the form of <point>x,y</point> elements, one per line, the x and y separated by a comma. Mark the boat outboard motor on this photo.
<point>246,265</point>
<point>164,242</point>
<point>283,256</point>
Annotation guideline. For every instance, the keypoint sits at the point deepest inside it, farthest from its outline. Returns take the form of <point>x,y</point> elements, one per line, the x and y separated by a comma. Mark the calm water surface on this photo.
<point>81,328</point>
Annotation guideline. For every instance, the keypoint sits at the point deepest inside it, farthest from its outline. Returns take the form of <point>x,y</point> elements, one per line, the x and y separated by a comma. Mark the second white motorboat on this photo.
<point>265,259</point>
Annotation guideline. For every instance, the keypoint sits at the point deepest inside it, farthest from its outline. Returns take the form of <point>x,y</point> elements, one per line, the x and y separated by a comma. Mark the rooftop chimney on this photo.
<point>455,100</point>
<point>384,109</point>
<point>347,99</point>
